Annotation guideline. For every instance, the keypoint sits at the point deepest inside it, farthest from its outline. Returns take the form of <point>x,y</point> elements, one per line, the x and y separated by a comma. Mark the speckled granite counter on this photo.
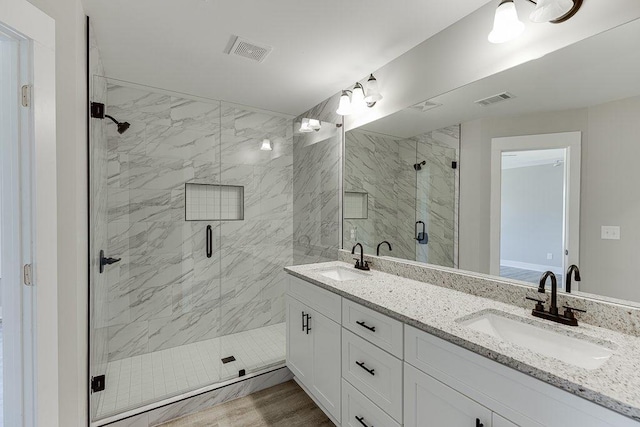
<point>438,311</point>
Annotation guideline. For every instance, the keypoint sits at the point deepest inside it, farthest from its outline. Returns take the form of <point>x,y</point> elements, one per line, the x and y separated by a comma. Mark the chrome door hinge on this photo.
<point>27,275</point>
<point>26,95</point>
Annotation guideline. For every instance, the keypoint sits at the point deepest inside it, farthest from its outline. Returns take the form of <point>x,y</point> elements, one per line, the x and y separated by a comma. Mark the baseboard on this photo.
<point>533,267</point>
<point>200,402</point>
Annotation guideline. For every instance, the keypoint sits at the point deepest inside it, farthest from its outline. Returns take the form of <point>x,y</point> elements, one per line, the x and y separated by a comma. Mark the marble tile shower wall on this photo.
<point>316,203</point>
<point>165,292</point>
<point>382,167</point>
<point>436,196</point>
<point>98,218</point>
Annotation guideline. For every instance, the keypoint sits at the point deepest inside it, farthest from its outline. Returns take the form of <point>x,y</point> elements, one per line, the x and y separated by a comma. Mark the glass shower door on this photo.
<point>155,219</point>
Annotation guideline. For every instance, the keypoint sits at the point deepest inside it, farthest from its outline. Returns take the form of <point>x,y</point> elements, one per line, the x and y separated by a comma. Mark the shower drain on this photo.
<point>228,359</point>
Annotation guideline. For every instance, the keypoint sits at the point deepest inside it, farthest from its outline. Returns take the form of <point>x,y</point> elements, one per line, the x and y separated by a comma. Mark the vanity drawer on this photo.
<point>374,372</point>
<point>358,411</point>
<point>377,328</point>
<point>319,299</point>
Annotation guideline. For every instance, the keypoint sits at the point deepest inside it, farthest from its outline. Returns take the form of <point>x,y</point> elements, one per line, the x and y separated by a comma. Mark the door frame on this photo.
<point>571,141</point>
<point>32,183</point>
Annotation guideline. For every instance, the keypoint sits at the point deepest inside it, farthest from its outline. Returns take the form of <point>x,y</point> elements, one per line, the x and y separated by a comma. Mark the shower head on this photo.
<point>122,126</point>
<point>418,166</point>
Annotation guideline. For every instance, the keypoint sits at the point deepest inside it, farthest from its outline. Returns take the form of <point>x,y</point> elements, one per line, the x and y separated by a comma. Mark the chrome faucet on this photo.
<point>573,269</point>
<point>361,264</point>
<point>568,318</point>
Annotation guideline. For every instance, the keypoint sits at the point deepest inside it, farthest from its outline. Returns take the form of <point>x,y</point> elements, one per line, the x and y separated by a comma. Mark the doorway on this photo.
<point>535,190</point>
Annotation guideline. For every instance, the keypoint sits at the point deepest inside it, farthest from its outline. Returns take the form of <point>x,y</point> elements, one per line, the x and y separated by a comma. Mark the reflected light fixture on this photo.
<point>266,145</point>
<point>507,26</point>
<point>360,98</point>
<point>309,125</point>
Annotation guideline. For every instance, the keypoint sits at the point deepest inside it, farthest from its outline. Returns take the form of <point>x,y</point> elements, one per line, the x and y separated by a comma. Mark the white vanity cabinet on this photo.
<point>428,402</point>
<point>365,368</point>
<point>313,344</point>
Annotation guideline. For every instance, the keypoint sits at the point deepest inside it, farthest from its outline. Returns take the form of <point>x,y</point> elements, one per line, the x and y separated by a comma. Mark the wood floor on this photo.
<point>283,405</point>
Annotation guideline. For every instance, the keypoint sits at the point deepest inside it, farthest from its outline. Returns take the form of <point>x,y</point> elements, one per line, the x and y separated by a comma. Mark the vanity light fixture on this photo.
<point>507,26</point>
<point>266,145</point>
<point>310,125</point>
<point>359,97</point>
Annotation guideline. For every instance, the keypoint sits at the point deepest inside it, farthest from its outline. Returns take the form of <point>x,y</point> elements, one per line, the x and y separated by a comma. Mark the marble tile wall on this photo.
<point>382,167</point>
<point>316,194</point>
<point>437,196</point>
<point>165,292</point>
<point>98,218</point>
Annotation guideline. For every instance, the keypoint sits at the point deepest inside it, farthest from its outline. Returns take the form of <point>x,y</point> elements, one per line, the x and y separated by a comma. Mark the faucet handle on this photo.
<point>539,303</point>
<point>569,311</point>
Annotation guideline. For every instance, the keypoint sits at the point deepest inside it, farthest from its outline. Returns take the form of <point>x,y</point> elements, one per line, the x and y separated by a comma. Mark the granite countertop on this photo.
<point>438,311</point>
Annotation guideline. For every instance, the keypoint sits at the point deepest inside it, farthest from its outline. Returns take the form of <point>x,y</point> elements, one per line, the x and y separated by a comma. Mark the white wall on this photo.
<point>72,207</point>
<point>609,192</point>
<point>532,215</point>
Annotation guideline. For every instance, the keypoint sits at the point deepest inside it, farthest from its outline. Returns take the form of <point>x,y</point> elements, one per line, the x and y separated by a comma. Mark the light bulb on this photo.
<point>266,145</point>
<point>357,98</point>
<point>549,10</point>
<point>373,92</point>
<point>506,25</point>
<point>304,126</point>
<point>315,124</point>
<point>344,107</point>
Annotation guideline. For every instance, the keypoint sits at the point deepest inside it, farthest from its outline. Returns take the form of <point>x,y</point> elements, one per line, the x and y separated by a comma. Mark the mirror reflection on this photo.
<point>546,175</point>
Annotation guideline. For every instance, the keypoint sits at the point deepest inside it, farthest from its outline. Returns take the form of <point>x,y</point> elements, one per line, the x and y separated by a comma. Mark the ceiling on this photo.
<point>594,71</point>
<point>319,48</point>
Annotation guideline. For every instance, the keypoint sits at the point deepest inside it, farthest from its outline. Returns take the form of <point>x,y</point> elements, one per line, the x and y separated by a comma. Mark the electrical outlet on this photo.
<point>610,232</point>
<point>353,234</point>
<point>549,255</point>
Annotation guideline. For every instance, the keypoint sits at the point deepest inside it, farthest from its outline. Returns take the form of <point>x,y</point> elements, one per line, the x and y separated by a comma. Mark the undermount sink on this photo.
<point>569,349</point>
<point>341,274</point>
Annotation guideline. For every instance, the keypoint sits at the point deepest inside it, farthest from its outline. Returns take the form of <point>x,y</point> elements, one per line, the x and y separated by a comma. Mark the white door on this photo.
<point>326,362</point>
<point>299,341</point>
<point>429,403</point>
<point>498,421</point>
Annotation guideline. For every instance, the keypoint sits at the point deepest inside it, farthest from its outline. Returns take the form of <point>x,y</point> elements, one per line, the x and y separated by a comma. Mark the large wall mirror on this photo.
<point>529,170</point>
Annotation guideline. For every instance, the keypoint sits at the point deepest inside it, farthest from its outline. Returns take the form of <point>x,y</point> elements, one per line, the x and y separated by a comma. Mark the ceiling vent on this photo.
<point>425,106</point>
<point>246,49</point>
<point>494,99</point>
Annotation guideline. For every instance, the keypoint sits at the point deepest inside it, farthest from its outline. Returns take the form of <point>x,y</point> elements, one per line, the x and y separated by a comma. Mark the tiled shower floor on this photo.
<point>140,380</point>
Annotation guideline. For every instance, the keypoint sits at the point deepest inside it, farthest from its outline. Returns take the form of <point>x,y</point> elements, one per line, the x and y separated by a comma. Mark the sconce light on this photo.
<point>266,145</point>
<point>359,98</point>
<point>310,125</point>
<point>507,26</point>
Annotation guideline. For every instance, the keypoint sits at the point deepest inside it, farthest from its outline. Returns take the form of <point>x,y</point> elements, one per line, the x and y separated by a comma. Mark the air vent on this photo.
<point>425,106</point>
<point>249,50</point>
<point>494,99</point>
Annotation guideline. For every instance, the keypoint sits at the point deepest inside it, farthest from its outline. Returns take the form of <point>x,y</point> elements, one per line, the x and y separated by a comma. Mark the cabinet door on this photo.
<point>429,403</point>
<point>498,421</point>
<point>299,342</point>
<point>326,362</point>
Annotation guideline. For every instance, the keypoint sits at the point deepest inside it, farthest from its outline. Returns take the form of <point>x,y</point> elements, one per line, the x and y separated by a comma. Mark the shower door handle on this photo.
<point>424,230</point>
<point>209,244</point>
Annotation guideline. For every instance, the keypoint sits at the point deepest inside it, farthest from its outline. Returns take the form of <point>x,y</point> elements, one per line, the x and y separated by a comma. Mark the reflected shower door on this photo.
<point>436,197</point>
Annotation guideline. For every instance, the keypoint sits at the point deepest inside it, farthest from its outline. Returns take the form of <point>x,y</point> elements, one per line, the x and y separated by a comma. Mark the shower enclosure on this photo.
<point>193,224</point>
<point>403,190</point>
